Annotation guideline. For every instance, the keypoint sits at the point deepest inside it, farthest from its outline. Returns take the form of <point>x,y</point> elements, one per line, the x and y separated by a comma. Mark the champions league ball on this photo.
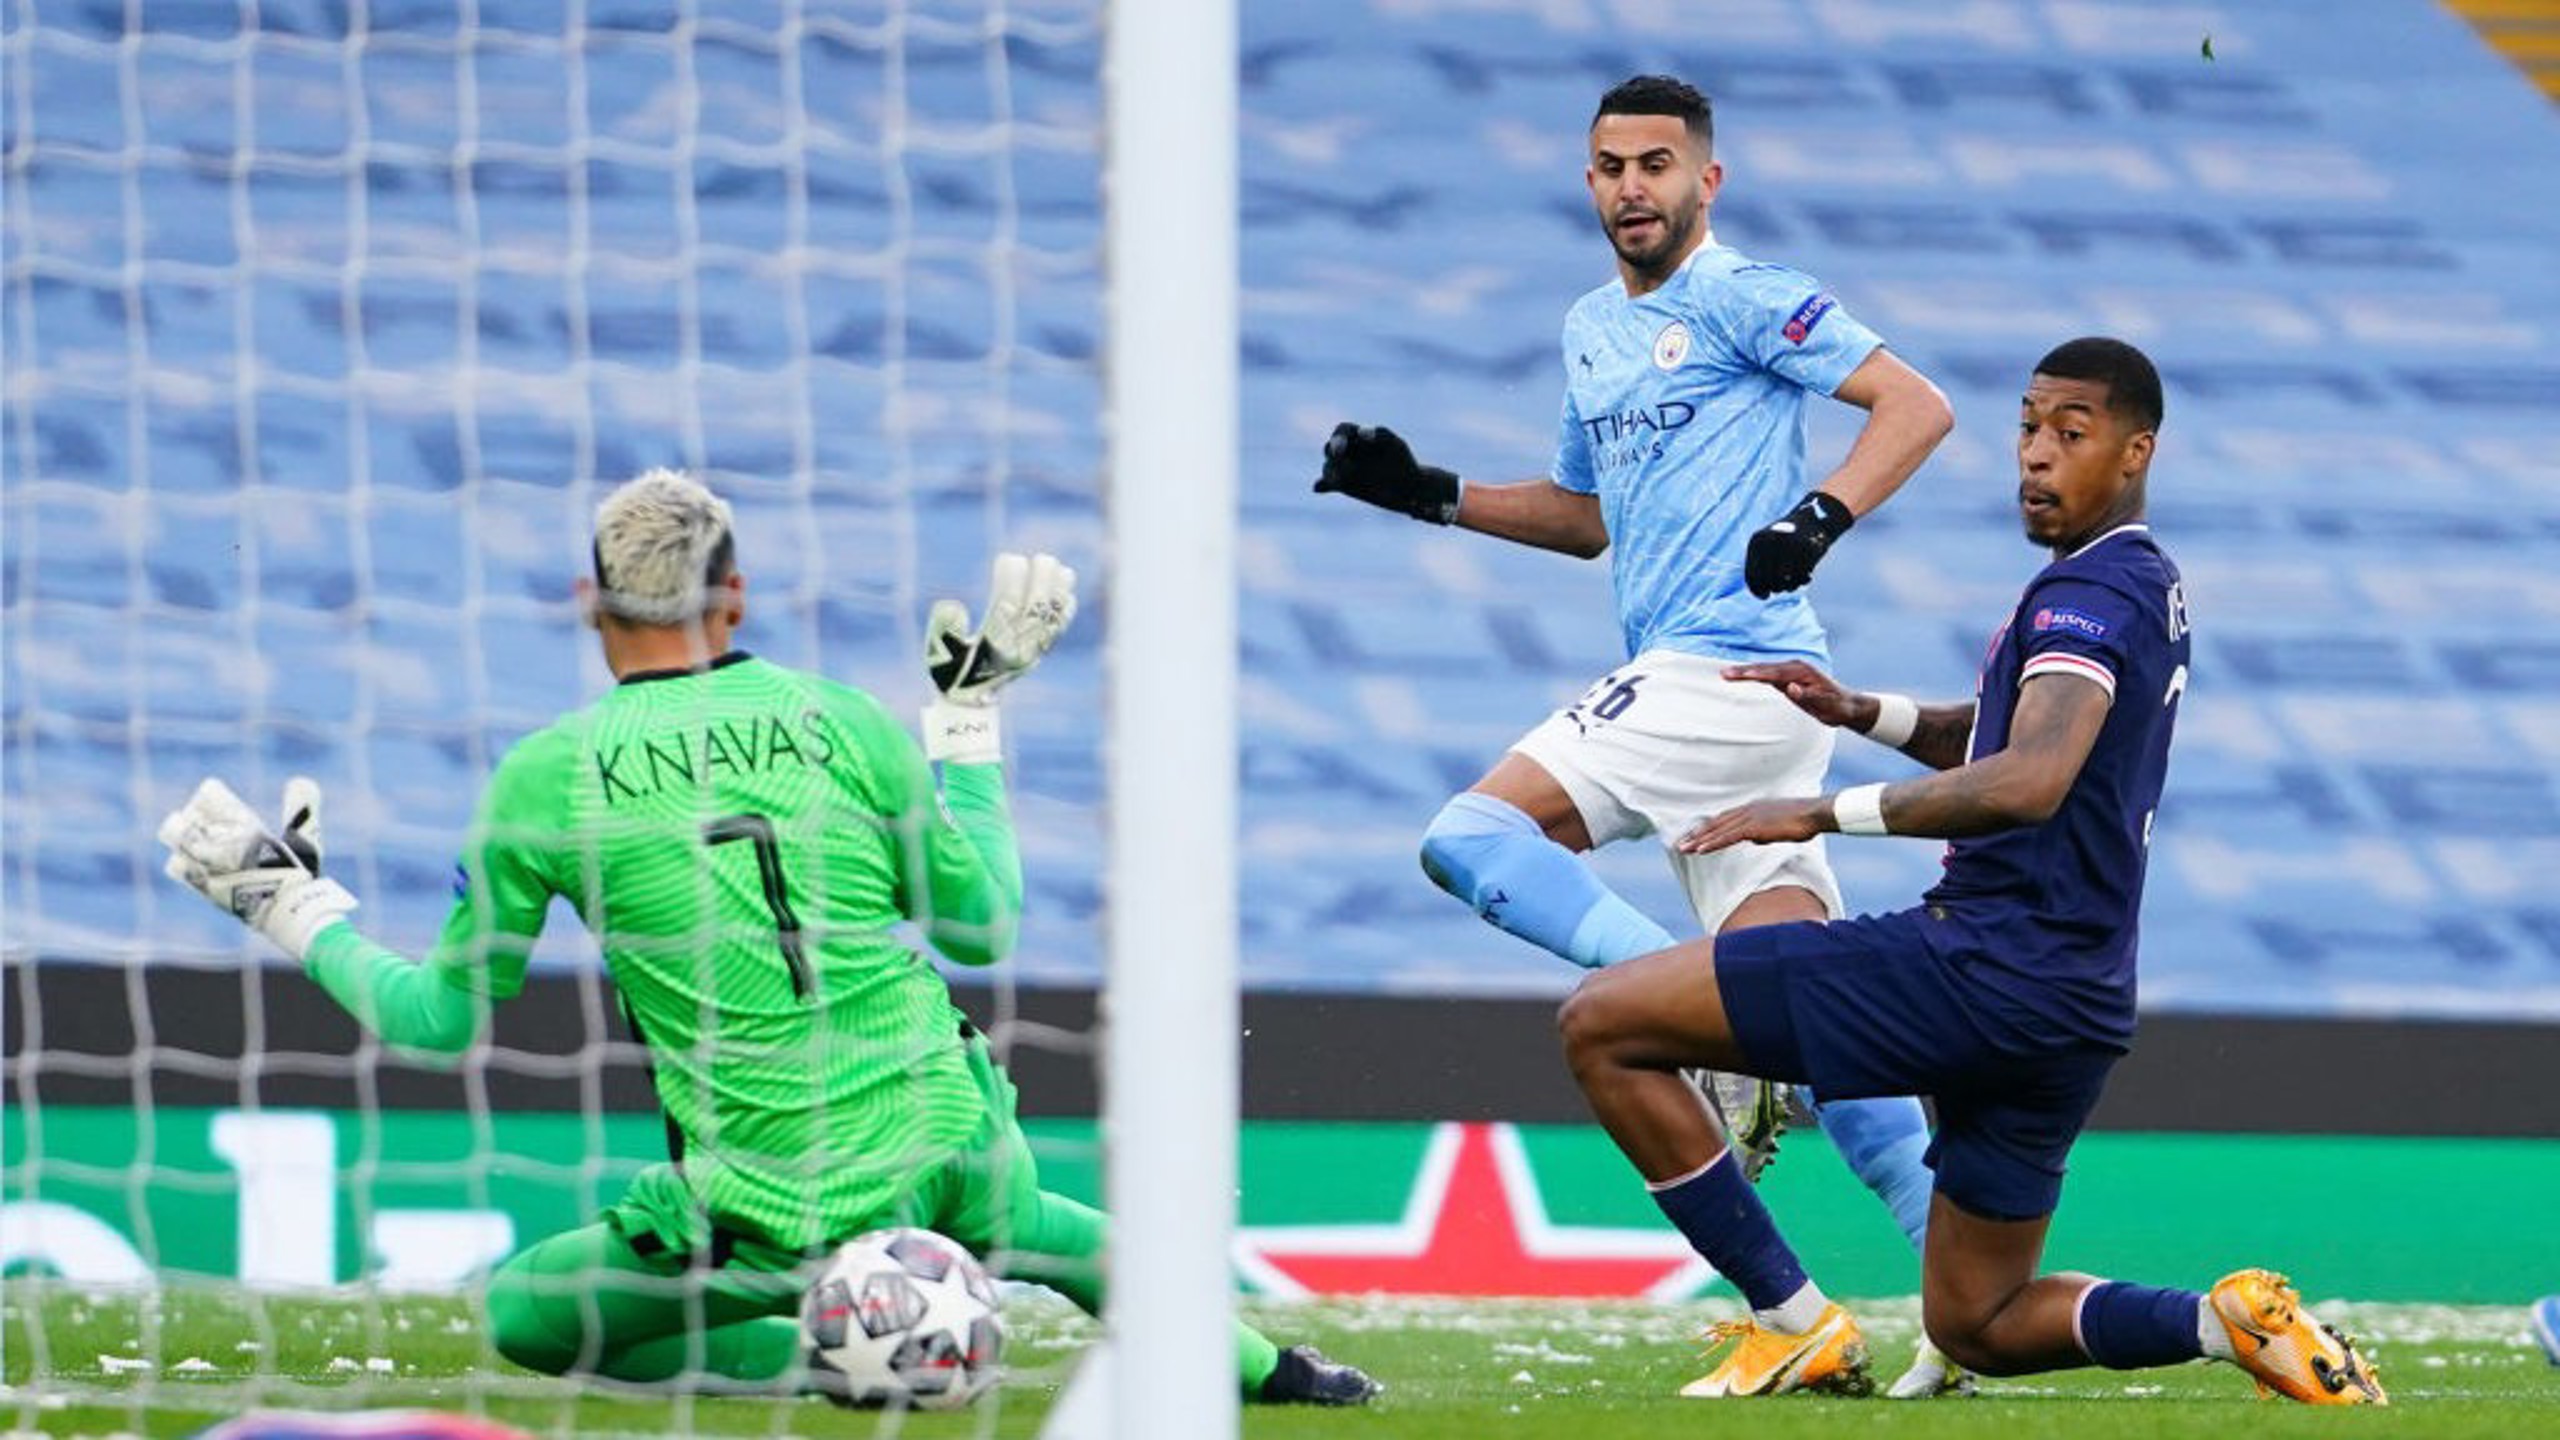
<point>903,1318</point>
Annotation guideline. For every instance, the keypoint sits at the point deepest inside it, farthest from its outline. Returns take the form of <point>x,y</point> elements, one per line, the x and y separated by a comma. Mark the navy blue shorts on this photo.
<point>1880,1005</point>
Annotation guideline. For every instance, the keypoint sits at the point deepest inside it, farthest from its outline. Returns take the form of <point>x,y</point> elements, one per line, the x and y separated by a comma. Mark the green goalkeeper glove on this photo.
<point>1030,599</point>
<point>219,848</point>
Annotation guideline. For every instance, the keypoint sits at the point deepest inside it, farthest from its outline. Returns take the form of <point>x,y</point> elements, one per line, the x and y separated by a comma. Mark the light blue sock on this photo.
<point>1490,854</point>
<point>1883,1140</point>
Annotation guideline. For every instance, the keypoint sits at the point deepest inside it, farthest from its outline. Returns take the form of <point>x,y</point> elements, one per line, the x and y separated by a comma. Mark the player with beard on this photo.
<point>1681,454</point>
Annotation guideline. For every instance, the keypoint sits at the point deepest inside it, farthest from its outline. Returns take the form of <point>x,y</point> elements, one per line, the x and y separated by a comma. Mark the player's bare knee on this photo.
<point>1591,1020</point>
<point>1968,1336</point>
<point>1962,1341</point>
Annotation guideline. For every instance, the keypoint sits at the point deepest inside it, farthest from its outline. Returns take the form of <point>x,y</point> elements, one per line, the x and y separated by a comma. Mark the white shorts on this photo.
<point>1664,741</point>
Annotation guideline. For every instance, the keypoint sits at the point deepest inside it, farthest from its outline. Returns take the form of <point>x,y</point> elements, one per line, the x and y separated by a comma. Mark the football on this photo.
<point>903,1317</point>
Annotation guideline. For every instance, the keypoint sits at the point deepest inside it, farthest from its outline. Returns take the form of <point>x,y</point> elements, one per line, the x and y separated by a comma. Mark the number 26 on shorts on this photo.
<point>1605,701</point>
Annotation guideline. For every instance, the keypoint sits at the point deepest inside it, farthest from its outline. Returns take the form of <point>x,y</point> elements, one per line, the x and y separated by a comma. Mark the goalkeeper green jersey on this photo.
<point>744,842</point>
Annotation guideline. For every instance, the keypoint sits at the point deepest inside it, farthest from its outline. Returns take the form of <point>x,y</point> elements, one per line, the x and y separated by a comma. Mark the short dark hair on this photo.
<point>1663,95</point>
<point>2133,386</point>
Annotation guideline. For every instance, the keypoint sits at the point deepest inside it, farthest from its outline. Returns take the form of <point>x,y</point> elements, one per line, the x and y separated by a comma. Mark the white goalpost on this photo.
<point>1170,1077</point>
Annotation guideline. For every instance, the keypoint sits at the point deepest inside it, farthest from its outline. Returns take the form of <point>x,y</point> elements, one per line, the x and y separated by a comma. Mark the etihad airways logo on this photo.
<point>1636,424</point>
<point>1634,436</point>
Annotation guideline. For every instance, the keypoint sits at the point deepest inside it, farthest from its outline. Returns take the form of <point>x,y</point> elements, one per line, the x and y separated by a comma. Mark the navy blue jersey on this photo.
<point>2053,909</point>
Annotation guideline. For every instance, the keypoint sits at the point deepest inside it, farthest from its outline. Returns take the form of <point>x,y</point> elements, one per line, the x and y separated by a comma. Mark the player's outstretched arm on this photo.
<point>1538,513</point>
<point>1373,463</point>
<point>270,881</point>
<point>1933,734</point>
<point>2024,783</point>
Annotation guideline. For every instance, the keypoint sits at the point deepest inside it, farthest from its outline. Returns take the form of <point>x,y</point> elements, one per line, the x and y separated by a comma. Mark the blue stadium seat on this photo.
<point>2345,263</point>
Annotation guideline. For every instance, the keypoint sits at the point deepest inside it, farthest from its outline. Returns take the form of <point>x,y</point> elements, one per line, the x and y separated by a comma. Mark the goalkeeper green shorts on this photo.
<point>972,1195</point>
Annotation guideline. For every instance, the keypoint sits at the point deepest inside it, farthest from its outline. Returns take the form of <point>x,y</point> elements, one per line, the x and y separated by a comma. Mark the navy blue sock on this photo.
<point>2134,1327</point>
<point>1724,1221</point>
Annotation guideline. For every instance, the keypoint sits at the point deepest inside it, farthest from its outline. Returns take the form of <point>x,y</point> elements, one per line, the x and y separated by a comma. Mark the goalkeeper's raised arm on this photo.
<point>730,829</point>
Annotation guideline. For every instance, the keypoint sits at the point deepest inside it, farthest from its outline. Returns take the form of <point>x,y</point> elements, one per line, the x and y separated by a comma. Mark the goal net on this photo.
<point>327,325</point>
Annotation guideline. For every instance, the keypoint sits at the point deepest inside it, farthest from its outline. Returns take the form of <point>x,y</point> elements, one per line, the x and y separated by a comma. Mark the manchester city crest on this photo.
<point>1671,346</point>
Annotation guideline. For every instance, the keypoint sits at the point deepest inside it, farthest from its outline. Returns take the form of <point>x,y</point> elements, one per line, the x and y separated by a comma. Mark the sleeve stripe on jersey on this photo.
<point>2080,665</point>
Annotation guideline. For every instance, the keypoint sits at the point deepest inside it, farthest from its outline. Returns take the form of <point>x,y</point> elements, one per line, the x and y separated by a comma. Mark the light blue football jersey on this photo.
<point>1684,411</point>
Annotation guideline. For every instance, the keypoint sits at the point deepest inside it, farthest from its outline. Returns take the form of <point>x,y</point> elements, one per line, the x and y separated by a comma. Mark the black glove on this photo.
<point>1782,554</point>
<point>1372,463</point>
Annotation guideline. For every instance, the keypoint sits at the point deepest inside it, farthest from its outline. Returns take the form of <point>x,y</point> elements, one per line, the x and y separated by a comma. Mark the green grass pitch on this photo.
<point>1466,1370</point>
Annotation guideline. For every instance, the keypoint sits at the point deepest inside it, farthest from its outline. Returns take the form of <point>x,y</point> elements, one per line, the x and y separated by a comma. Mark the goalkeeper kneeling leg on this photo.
<point>586,1303</point>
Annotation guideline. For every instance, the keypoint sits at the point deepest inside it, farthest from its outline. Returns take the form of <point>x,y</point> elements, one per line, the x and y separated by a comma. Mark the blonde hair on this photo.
<point>662,542</point>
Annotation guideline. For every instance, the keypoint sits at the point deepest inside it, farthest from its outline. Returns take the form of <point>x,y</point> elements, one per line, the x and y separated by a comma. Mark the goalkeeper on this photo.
<point>742,839</point>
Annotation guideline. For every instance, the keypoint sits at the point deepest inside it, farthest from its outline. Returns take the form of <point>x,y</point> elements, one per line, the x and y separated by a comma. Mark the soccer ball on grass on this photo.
<point>903,1317</point>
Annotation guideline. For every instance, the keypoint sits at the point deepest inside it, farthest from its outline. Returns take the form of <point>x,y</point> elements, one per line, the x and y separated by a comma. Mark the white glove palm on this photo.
<point>219,848</point>
<point>1030,600</point>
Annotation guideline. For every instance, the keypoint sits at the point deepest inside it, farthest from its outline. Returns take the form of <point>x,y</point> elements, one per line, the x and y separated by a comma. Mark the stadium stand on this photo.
<point>2340,234</point>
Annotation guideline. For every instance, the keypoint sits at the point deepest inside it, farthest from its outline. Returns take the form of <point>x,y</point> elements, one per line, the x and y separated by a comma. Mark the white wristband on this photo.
<point>962,734</point>
<point>1897,716</point>
<point>1859,810</point>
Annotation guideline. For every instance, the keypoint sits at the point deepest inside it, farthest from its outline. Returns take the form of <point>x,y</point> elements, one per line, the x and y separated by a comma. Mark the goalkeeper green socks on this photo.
<point>1058,1242</point>
<point>1256,1358</point>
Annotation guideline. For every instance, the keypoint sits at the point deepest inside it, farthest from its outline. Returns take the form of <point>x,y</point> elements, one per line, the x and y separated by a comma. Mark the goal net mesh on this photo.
<point>328,322</point>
